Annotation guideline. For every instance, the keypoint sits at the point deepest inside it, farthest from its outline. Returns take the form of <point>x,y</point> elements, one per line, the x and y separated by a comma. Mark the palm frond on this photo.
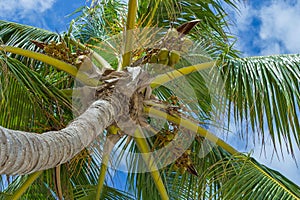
<point>36,189</point>
<point>187,186</point>
<point>213,26</point>
<point>99,21</point>
<point>265,90</point>
<point>244,178</point>
<point>18,35</point>
<point>261,89</point>
<point>181,185</point>
<point>29,100</point>
<point>97,24</point>
<point>222,176</point>
<point>86,192</point>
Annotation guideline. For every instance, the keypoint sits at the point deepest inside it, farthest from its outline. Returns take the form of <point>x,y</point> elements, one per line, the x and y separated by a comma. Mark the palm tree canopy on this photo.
<point>261,90</point>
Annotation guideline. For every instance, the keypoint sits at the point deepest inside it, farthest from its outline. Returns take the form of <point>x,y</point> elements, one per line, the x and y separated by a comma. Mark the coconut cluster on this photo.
<point>61,51</point>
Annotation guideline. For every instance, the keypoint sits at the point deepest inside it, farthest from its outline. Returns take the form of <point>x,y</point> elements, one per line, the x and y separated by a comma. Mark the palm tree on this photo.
<point>43,74</point>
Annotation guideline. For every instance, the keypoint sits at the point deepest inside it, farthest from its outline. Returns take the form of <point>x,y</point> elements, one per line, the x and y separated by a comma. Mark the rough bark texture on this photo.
<point>23,152</point>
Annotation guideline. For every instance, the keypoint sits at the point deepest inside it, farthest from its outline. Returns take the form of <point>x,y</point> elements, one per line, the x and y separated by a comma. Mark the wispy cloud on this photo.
<point>27,11</point>
<point>271,28</point>
<point>20,8</point>
<point>280,23</point>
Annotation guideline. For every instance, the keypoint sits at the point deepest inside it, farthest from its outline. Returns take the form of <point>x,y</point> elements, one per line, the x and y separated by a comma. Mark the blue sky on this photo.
<point>47,14</point>
<point>262,27</point>
<point>268,27</point>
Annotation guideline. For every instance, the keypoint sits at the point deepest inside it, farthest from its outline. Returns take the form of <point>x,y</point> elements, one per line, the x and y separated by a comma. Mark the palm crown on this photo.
<point>43,73</point>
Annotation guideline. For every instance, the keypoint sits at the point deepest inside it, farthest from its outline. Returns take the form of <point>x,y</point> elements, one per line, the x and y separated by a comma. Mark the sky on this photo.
<point>47,14</point>
<point>268,27</point>
<point>262,27</point>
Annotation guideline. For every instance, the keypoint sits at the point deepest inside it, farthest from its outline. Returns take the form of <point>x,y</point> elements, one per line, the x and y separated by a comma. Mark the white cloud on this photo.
<point>277,29</point>
<point>18,9</point>
<point>243,16</point>
<point>270,47</point>
<point>280,22</point>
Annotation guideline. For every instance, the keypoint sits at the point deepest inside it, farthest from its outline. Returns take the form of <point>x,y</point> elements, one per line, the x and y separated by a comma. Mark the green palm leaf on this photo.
<point>213,22</point>
<point>99,21</point>
<point>221,177</point>
<point>245,178</point>
<point>18,35</point>
<point>29,100</point>
<point>260,89</point>
<point>109,193</point>
<point>265,90</point>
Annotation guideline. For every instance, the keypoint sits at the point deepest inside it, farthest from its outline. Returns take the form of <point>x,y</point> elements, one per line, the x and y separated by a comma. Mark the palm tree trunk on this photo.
<point>24,152</point>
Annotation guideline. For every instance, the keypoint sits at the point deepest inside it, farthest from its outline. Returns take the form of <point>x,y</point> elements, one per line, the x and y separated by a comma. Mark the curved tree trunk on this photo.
<point>24,152</point>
